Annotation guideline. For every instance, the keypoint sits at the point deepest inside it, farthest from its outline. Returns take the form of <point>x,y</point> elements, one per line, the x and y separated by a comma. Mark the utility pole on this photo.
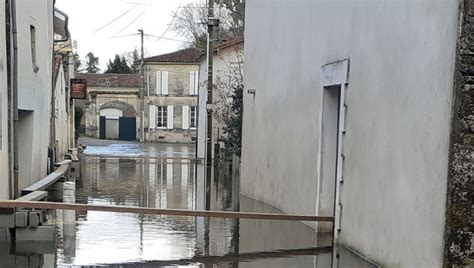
<point>213,30</point>
<point>142,91</point>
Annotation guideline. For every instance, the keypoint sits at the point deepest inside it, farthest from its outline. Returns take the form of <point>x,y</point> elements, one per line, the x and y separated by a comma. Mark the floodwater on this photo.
<point>143,175</point>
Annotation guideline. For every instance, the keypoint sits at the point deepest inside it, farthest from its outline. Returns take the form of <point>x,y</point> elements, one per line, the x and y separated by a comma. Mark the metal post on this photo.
<point>142,91</point>
<point>14,96</point>
<point>213,28</point>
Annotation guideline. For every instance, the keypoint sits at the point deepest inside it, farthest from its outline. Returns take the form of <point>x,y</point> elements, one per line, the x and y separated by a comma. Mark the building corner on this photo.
<point>458,235</point>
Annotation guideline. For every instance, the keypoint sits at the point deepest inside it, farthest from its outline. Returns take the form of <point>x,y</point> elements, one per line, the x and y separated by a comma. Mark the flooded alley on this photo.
<point>152,175</point>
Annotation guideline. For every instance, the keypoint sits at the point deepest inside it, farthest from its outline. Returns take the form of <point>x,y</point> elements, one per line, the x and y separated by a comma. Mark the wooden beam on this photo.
<point>48,180</point>
<point>34,196</point>
<point>158,211</point>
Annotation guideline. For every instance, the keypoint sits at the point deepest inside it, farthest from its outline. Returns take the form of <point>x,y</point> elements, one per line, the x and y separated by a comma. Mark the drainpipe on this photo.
<point>14,84</point>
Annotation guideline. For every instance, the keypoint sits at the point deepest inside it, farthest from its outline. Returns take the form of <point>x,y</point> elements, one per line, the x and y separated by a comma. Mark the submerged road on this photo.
<point>135,174</point>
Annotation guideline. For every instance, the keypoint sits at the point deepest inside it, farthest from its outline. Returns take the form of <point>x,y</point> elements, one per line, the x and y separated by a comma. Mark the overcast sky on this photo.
<point>88,20</point>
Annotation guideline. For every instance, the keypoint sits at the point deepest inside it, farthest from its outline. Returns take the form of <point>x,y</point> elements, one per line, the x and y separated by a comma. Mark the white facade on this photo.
<point>35,29</point>
<point>4,168</point>
<point>225,62</point>
<point>395,140</point>
<point>61,115</point>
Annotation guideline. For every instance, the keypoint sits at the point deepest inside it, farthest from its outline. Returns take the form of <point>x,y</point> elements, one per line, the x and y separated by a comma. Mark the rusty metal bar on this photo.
<point>158,211</point>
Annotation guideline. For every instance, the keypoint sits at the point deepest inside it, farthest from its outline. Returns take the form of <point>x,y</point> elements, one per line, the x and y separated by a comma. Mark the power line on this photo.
<point>167,38</point>
<point>136,3</point>
<point>120,36</point>
<point>112,21</point>
<point>171,22</point>
<point>164,38</point>
<point>135,19</point>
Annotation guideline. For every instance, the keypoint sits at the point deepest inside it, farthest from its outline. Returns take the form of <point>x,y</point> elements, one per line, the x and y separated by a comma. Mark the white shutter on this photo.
<point>170,117</point>
<point>196,82</point>
<point>164,82</point>
<point>158,82</point>
<point>147,83</point>
<point>185,117</point>
<point>192,82</point>
<point>152,116</point>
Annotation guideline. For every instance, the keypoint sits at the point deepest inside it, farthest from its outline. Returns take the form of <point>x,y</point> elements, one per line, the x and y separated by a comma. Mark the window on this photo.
<point>161,82</point>
<point>193,82</point>
<point>33,47</point>
<point>193,121</point>
<point>162,117</point>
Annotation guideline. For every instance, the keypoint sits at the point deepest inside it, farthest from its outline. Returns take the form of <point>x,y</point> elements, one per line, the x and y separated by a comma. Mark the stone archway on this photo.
<point>128,109</point>
<point>117,121</point>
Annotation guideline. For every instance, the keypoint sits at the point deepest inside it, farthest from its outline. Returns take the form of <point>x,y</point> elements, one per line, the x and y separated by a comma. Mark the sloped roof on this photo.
<point>233,41</point>
<point>111,80</point>
<point>187,55</point>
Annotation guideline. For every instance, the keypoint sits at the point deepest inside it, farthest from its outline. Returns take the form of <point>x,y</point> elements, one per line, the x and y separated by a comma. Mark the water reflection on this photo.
<point>131,240</point>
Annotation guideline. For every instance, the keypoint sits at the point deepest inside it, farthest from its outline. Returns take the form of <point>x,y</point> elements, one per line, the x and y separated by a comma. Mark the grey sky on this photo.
<point>87,16</point>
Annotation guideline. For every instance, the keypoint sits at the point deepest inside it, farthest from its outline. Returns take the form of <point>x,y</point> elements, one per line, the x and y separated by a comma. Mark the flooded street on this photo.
<point>142,175</point>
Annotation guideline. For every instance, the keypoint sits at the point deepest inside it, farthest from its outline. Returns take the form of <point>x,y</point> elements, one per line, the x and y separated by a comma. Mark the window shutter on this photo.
<point>170,117</point>
<point>192,82</point>
<point>185,117</point>
<point>147,83</point>
<point>164,82</point>
<point>152,116</point>
<point>196,82</point>
<point>158,82</point>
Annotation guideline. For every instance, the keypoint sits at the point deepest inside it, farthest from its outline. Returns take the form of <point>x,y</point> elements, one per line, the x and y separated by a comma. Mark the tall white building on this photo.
<point>362,110</point>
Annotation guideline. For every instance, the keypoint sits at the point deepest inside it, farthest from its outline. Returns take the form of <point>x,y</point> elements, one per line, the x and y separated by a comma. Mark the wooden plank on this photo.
<point>34,196</point>
<point>63,163</point>
<point>7,210</point>
<point>48,180</point>
<point>158,211</point>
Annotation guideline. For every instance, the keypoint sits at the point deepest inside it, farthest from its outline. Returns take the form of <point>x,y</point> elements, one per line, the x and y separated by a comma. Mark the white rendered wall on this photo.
<point>222,62</point>
<point>34,93</point>
<point>61,115</point>
<point>398,119</point>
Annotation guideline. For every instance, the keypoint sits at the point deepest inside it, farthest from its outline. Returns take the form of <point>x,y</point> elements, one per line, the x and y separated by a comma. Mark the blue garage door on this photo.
<point>127,128</point>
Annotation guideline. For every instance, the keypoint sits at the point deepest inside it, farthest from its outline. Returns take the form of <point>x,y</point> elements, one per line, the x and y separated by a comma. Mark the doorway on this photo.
<point>328,153</point>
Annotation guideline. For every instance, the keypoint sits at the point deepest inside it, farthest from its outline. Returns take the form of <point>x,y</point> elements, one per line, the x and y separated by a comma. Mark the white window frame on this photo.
<point>161,83</point>
<point>193,83</point>
<point>191,121</point>
<point>161,111</point>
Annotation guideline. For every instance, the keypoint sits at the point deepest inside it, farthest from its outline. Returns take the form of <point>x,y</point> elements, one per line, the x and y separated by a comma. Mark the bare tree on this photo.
<point>228,106</point>
<point>191,20</point>
<point>133,60</point>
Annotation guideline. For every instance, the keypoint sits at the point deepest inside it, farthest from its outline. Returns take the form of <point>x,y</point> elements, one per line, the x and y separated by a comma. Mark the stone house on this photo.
<point>171,96</point>
<point>364,110</point>
<point>112,110</point>
<point>228,67</point>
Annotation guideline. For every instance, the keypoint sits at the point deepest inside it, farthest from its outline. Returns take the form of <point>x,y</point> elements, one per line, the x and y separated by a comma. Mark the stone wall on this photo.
<point>177,134</point>
<point>178,96</point>
<point>97,100</point>
<point>460,218</point>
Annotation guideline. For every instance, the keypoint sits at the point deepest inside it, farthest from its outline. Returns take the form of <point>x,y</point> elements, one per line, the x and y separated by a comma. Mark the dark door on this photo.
<point>127,128</point>
<point>102,127</point>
